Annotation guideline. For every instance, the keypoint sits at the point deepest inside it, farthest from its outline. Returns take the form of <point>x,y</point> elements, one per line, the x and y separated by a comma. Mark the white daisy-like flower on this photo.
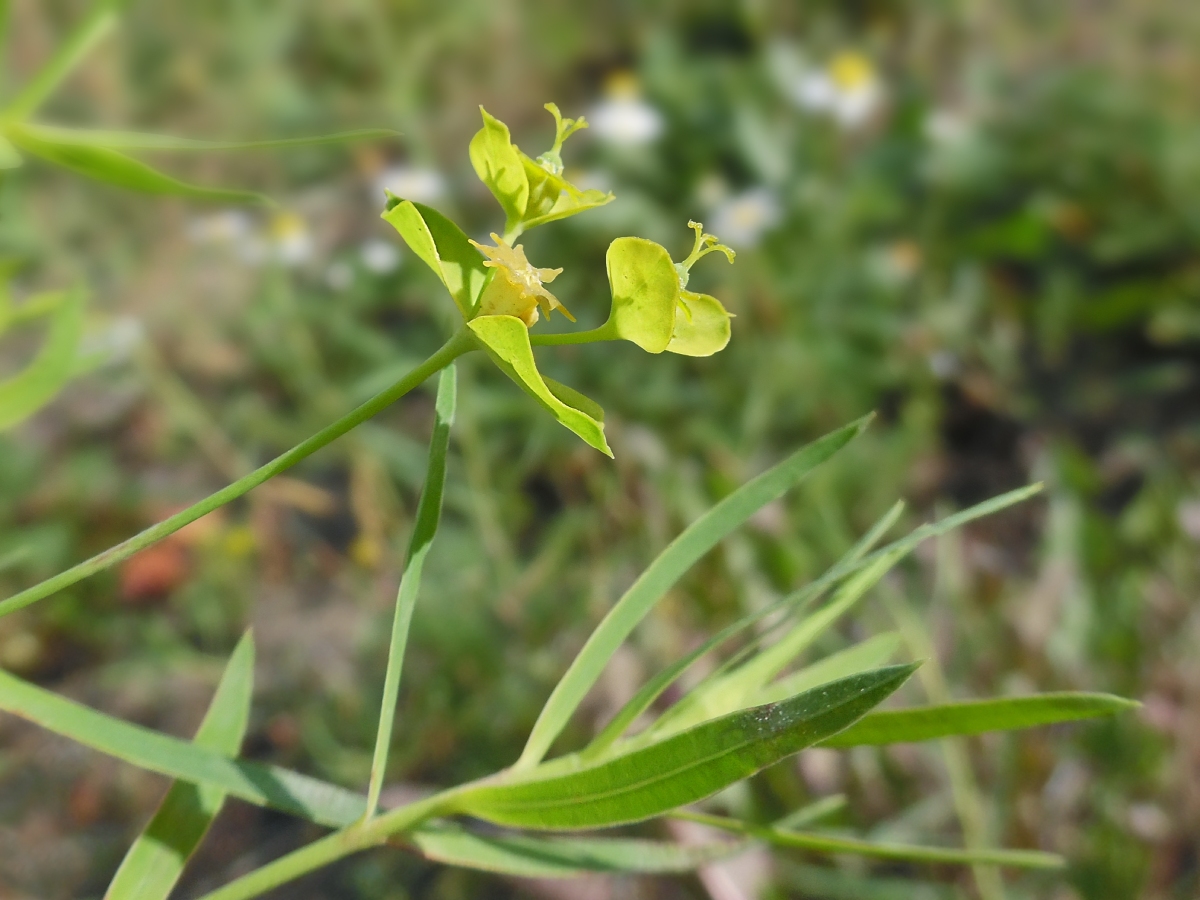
<point>743,219</point>
<point>115,343</point>
<point>290,240</point>
<point>623,118</point>
<point>379,256</point>
<point>946,128</point>
<point>847,90</point>
<point>418,183</point>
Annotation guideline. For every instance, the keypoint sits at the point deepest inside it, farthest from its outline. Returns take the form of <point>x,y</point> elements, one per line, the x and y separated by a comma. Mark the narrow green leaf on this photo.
<point>100,20</point>
<point>645,293</point>
<point>529,856</point>
<point>653,689</point>
<point>869,654</point>
<point>699,537</point>
<point>498,164</point>
<point>282,789</point>
<point>683,768</point>
<point>701,326</point>
<point>978,716</point>
<point>429,513</point>
<point>135,140</point>
<point>9,157</point>
<point>155,861</point>
<point>506,340</point>
<point>111,167</point>
<point>813,812</point>
<point>736,689</point>
<point>828,843</point>
<point>443,247</point>
<point>33,387</point>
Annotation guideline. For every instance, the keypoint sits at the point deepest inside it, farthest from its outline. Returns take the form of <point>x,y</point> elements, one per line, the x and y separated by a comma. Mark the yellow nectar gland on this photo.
<point>517,288</point>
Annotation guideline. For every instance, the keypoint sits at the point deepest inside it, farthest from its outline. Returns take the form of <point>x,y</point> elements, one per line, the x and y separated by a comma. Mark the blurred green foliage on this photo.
<point>978,219</point>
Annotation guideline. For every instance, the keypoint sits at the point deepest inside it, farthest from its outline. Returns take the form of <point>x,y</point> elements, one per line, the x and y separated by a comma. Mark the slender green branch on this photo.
<point>334,847</point>
<point>460,343</point>
<point>605,332</point>
<point>429,511</point>
<point>89,32</point>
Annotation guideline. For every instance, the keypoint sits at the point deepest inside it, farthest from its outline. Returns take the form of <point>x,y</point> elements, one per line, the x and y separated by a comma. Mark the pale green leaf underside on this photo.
<point>976,717</point>
<point>868,654</point>
<point>683,768</point>
<point>264,785</point>
<point>506,340</point>
<point>442,246</point>
<point>155,861</point>
<point>30,389</point>
<point>533,856</point>
<point>695,541</point>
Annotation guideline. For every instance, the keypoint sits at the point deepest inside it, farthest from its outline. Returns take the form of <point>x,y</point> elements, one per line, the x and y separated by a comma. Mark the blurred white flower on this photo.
<point>947,128</point>
<point>117,342</point>
<point>379,256</point>
<point>223,227</point>
<point>339,276</point>
<point>623,118</point>
<point>424,185</point>
<point>847,89</point>
<point>896,263</point>
<point>944,365</point>
<point>741,220</point>
<point>291,242</point>
<point>1188,515</point>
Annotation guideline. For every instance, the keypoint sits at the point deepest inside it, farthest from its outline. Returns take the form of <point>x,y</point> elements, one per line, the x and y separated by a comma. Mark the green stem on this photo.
<point>332,848</point>
<point>459,344</point>
<point>78,44</point>
<point>605,332</point>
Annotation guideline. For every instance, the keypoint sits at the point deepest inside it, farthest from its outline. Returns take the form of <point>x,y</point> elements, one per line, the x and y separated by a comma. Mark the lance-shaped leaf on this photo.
<point>701,325</point>
<point>978,716</point>
<point>112,167</point>
<point>635,604</point>
<point>30,389</point>
<point>506,340</point>
<point>156,859</point>
<point>264,785</point>
<point>534,856</point>
<point>683,768</point>
<point>531,192</point>
<point>645,293</point>
<point>442,246</point>
<point>137,140</point>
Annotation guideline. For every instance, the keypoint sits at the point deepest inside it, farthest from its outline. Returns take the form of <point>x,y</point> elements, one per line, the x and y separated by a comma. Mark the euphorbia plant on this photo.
<point>748,714</point>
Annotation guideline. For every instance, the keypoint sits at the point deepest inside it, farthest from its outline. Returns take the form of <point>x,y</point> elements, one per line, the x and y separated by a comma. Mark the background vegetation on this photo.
<point>980,220</point>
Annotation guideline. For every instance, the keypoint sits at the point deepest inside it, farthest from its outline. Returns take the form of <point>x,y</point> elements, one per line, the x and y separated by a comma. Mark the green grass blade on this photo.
<point>653,689</point>
<point>429,512</point>
<point>699,537</point>
<point>96,25</point>
<point>156,859</point>
<point>736,689</point>
<point>30,389</point>
<point>264,785</point>
<point>812,813</point>
<point>134,140</point>
<point>683,768</point>
<point>530,856</point>
<point>868,654</point>
<point>111,167</point>
<point>977,717</point>
<point>827,843</point>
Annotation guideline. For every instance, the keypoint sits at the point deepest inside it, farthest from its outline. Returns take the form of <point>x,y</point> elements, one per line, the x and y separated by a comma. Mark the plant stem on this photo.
<point>604,333</point>
<point>332,848</point>
<point>101,19</point>
<point>459,344</point>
